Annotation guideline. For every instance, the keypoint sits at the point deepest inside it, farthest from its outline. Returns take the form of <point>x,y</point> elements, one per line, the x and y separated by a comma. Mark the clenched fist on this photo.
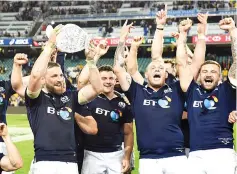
<point>20,59</point>
<point>227,24</point>
<point>185,25</point>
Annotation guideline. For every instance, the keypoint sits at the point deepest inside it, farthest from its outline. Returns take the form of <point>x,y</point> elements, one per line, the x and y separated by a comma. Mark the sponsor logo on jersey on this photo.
<point>64,112</point>
<point>164,103</point>
<point>114,115</point>
<point>209,103</point>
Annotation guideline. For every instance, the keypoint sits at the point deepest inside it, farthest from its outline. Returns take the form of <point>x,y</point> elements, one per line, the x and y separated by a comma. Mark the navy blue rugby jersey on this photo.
<point>208,113</point>
<point>84,111</point>
<point>6,92</point>
<point>51,119</point>
<point>158,117</point>
<point>110,116</point>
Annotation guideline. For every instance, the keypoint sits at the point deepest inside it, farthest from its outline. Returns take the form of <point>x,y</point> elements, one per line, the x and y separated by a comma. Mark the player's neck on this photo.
<point>110,95</point>
<point>154,88</point>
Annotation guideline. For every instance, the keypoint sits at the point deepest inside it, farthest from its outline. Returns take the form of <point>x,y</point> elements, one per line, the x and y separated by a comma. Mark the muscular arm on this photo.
<point>128,140</point>
<point>232,71</point>
<point>13,160</point>
<point>39,68</point>
<point>185,73</point>
<point>83,78</point>
<point>132,66</point>
<point>87,124</point>
<point>92,90</point>
<point>157,45</point>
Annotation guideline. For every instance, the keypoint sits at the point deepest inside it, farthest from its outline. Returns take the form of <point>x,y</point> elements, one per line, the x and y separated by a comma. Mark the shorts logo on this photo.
<point>65,113</point>
<point>226,140</point>
<point>115,115</point>
<point>2,97</point>
<point>121,104</point>
<point>164,103</point>
<point>210,102</point>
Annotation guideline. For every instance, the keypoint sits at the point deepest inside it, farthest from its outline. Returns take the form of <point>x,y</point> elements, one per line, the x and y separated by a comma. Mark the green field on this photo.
<point>26,147</point>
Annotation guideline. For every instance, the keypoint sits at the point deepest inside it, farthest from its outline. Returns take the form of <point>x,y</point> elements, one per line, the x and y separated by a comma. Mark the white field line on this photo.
<point>20,134</point>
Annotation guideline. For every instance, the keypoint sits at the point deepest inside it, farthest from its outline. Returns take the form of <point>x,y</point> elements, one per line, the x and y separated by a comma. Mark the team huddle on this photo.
<point>89,129</point>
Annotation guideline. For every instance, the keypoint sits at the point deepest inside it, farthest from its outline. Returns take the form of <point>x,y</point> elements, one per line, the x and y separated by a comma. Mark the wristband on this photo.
<point>201,36</point>
<point>91,63</point>
<point>160,26</point>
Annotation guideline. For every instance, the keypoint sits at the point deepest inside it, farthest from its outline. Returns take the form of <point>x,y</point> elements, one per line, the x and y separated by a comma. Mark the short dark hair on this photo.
<point>106,68</point>
<point>53,64</point>
<point>207,62</point>
<point>171,62</point>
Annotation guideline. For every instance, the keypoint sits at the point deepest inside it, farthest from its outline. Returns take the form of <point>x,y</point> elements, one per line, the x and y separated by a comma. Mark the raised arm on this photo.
<point>94,88</point>
<point>40,67</point>
<point>200,49</point>
<point>12,161</point>
<point>132,65</point>
<point>228,24</point>
<point>185,73</point>
<point>157,44</point>
<point>101,49</point>
<point>176,36</point>
<point>16,77</point>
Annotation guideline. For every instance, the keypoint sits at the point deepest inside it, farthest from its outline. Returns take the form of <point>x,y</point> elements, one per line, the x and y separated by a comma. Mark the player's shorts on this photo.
<point>109,163</point>
<point>53,167</point>
<point>215,161</point>
<point>171,165</point>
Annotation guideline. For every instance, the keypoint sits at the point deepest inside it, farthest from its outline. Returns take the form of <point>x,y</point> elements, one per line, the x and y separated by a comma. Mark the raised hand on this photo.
<point>137,41</point>
<point>3,129</point>
<point>202,26</point>
<point>125,30</point>
<point>227,24</point>
<point>102,48</point>
<point>176,36</point>
<point>185,25</point>
<point>161,16</point>
<point>20,59</point>
<point>232,117</point>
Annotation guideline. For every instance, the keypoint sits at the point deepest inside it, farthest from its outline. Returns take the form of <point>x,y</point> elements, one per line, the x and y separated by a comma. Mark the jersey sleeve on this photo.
<point>32,102</point>
<point>83,110</point>
<point>230,93</point>
<point>131,92</point>
<point>127,115</point>
<point>8,87</point>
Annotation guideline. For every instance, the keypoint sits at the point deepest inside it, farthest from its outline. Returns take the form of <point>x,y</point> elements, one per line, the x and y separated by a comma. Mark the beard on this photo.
<point>52,89</point>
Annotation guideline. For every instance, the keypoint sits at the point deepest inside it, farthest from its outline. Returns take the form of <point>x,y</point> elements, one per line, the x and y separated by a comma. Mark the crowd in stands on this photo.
<point>10,6</point>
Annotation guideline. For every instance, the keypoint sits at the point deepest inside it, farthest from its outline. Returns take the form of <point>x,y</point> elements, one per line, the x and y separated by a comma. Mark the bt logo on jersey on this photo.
<point>101,111</point>
<point>114,115</point>
<point>209,103</point>
<point>164,102</point>
<point>64,113</point>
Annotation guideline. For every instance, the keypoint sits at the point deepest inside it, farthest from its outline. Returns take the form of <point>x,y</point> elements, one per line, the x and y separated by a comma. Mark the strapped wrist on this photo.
<point>201,36</point>
<point>91,63</point>
<point>160,27</point>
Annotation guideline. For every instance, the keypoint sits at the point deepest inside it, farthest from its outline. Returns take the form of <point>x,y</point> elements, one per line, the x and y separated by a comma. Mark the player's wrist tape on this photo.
<point>201,36</point>
<point>160,26</point>
<point>91,63</point>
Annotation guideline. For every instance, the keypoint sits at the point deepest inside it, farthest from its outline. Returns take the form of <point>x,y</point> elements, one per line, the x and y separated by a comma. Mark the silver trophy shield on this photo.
<point>71,39</point>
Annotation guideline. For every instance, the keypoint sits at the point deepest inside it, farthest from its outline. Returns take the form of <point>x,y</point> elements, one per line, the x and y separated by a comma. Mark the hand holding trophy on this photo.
<point>70,37</point>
